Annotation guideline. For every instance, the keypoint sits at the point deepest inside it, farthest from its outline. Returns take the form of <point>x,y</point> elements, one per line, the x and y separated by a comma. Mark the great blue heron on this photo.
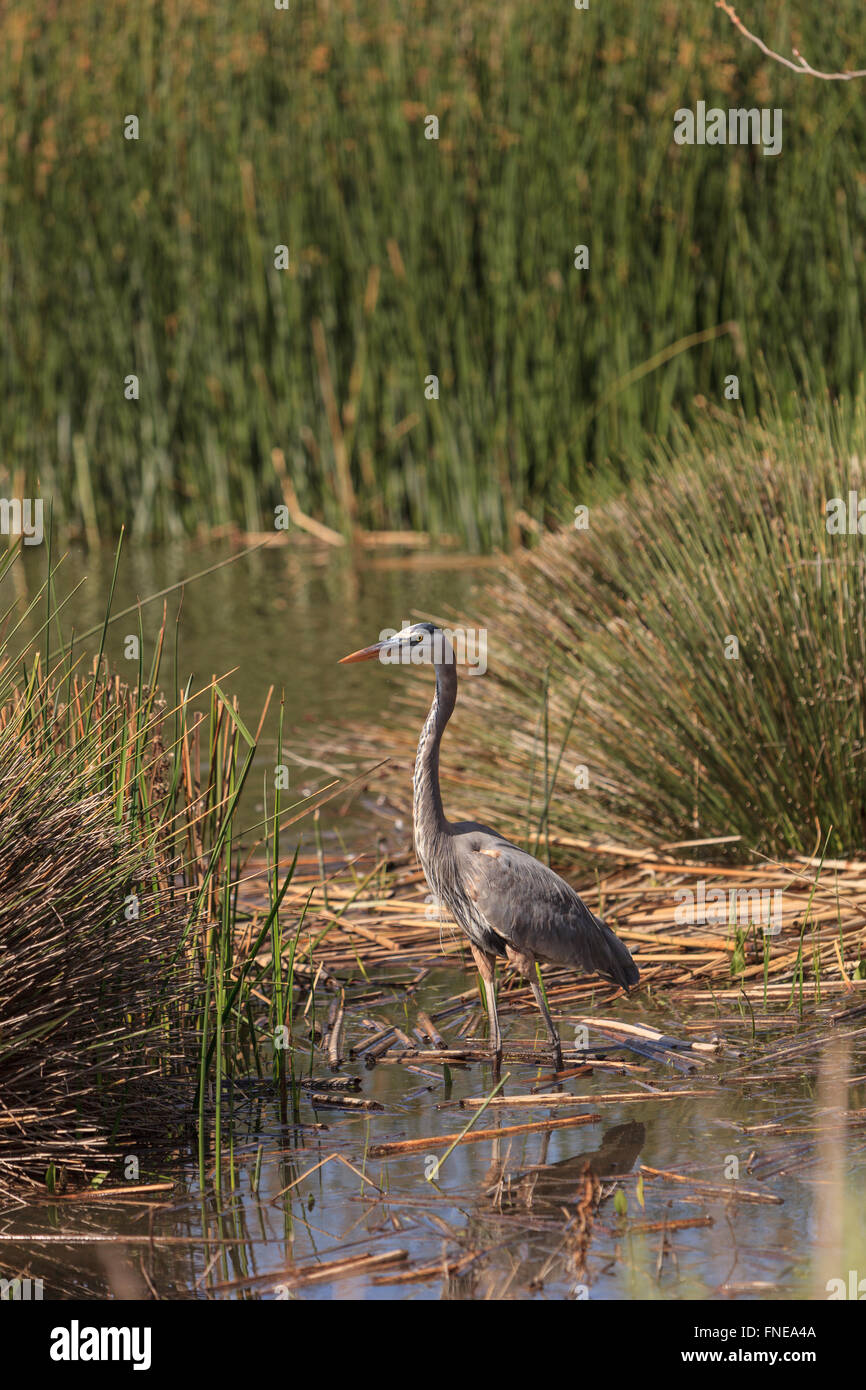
<point>506,902</point>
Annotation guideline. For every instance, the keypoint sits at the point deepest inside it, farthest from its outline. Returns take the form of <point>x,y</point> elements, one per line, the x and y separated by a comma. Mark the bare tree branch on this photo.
<point>801,67</point>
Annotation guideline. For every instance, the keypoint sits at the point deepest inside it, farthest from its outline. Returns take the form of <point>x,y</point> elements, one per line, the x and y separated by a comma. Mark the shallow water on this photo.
<point>242,1243</point>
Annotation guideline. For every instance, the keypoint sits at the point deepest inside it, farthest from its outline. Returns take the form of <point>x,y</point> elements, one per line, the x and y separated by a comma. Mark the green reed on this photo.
<point>714,632</point>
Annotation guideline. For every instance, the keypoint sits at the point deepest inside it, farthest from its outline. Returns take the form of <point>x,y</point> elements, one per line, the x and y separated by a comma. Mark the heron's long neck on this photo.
<point>427,814</point>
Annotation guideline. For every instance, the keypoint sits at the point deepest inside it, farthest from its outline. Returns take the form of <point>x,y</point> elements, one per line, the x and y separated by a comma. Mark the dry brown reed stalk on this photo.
<point>813,945</point>
<point>89,922</point>
<point>115,851</point>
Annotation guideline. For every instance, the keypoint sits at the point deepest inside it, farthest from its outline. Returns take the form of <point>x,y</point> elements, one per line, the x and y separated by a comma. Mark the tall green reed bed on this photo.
<point>126,977</point>
<point>407,256</point>
<point>692,664</point>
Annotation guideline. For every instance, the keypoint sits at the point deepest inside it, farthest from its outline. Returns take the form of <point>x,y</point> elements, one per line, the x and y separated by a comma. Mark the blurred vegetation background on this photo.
<point>407,256</point>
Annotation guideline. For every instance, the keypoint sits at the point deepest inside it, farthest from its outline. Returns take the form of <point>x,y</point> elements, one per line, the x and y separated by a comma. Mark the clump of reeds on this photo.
<point>691,665</point>
<point>124,1001</point>
<point>89,926</point>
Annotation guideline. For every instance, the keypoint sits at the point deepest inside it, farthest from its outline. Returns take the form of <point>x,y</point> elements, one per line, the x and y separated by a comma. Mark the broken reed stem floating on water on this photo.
<point>563,1098</point>
<point>731,1193</point>
<point>398,1147</point>
<point>296,1276</point>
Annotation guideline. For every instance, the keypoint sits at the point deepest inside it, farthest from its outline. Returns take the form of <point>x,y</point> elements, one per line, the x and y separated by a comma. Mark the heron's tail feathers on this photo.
<point>614,959</point>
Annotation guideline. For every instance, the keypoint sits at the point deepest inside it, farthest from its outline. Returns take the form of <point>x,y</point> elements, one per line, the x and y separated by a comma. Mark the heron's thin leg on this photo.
<point>486,969</point>
<point>538,995</point>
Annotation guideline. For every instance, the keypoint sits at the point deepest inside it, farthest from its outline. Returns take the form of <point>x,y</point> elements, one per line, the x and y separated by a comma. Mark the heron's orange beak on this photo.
<point>364,654</point>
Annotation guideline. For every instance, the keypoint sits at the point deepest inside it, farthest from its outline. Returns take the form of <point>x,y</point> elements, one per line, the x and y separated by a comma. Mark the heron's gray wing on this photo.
<point>534,910</point>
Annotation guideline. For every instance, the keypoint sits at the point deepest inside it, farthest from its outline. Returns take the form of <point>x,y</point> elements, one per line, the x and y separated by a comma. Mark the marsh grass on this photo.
<point>407,256</point>
<point>710,633</point>
<point>127,968</point>
<point>94,999</point>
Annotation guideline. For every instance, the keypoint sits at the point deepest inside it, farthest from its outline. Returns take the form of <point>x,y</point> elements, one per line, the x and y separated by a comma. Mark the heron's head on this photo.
<point>418,643</point>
